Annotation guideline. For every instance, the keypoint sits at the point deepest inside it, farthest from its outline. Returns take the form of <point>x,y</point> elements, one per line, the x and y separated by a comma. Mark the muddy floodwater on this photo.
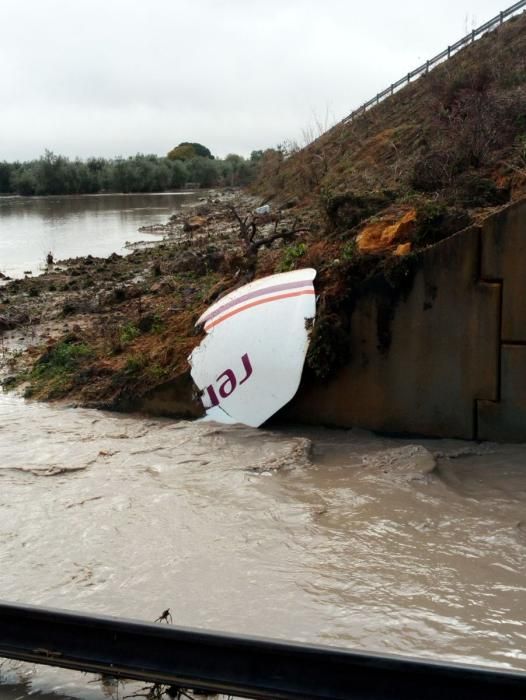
<point>345,538</point>
<point>75,225</point>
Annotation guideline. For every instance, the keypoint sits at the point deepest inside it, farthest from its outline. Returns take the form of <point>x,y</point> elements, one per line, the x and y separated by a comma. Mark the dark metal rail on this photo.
<point>243,666</point>
<point>443,55</point>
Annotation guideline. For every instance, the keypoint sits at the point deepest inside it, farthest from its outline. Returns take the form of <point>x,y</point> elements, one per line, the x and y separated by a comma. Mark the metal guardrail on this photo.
<point>444,55</point>
<point>243,666</point>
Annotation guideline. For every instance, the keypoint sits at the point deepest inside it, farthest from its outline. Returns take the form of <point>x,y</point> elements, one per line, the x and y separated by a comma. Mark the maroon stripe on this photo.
<point>253,295</point>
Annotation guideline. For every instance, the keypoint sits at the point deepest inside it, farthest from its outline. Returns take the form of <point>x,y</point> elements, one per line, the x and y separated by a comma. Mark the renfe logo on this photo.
<point>230,382</point>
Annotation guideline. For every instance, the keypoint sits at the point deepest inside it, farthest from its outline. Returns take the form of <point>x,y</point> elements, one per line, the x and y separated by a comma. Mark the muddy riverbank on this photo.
<point>103,332</point>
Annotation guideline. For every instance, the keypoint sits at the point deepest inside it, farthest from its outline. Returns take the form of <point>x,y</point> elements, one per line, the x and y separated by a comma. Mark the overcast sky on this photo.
<point>118,77</point>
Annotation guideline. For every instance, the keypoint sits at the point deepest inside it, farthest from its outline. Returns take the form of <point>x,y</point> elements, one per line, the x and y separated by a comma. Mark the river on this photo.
<point>76,225</point>
<point>344,538</point>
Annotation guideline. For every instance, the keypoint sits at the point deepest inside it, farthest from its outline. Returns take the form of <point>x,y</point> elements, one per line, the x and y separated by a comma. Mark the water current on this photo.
<point>344,538</point>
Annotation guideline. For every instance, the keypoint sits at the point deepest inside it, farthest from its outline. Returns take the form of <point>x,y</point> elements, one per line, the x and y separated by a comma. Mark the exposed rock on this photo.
<point>403,248</point>
<point>387,233</point>
<point>194,223</point>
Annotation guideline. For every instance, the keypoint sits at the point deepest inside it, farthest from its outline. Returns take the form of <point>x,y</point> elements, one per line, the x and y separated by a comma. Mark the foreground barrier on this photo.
<point>242,666</point>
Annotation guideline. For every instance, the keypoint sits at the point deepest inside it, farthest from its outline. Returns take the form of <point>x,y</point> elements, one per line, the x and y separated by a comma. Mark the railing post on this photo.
<point>472,35</point>
<point>392,89</point>
<point>409,77</point>
<point>449,51</point>
<point>427,66</point>
<point>501,17</point>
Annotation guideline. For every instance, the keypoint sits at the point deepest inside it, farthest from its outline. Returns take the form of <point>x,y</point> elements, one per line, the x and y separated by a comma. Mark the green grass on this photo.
<point>63,358</point>
<point>128,333</point>
<point>54,372</point>
<point>291,255</point>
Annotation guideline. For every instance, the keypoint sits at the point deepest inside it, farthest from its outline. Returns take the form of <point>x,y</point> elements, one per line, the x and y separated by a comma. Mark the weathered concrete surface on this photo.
<point>504,258</point>
<point>505,420</point>
<point>443,354</point>
<point>456,364</point>
<point>177,398</point>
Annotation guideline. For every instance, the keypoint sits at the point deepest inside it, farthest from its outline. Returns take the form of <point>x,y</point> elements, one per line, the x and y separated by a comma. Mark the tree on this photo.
<point>187,151</point>
<point>5,177</point>
<point>24,181</point>
<point>236,170</point>
<point>204,171</point>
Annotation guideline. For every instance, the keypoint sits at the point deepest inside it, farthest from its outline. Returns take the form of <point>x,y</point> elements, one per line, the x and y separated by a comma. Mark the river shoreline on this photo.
<point>103,332</point>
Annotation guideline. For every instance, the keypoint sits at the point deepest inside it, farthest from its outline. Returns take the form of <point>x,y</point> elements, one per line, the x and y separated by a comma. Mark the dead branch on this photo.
<point>276,236</point>
<point>247,226</point>
<point>248,230</point>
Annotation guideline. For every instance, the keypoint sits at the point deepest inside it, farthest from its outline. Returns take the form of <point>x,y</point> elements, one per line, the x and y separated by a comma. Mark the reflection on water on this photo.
<point>70,226</point>
<point>338,537</point>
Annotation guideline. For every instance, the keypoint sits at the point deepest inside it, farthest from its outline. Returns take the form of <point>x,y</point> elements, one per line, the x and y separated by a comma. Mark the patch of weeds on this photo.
<point>158,325</point>
<point>135,363</point>
<point>477,191</point>
<point>54,371</point>
<point>34,292</point>
<point>436,221</point>
<point>345,210</point>
<point>329,345</point>
<point>61,359</point>
<point>349,251</point>
<point>291,255</point>
<point>156,372</point>
<point>128,333</point>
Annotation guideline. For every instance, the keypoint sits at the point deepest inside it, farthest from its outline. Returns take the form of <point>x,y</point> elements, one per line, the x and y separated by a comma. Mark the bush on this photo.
<point>476,191</point>
<point>61,359</point>
<point>435,221</point>
<point>128,333</point>
<point>346,210</point>
<point>291,256</point>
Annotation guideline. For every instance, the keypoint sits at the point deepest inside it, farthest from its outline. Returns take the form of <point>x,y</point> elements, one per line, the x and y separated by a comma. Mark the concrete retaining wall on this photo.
<point>456,362</point>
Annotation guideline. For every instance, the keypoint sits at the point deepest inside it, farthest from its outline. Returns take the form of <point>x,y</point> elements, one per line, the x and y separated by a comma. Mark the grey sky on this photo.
<point>117,77</point>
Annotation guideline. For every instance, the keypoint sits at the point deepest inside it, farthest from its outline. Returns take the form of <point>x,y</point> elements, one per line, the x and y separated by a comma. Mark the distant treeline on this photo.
<point>55,174</point>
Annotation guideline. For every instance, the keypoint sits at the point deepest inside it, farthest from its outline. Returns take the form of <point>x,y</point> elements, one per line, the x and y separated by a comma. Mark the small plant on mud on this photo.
<point>349,251</point>
<point>54,371</point>
<point>128,333</point>
<point>135,364</point>
<point>156,372</point>
<point>61,359</point>
<point>291,255</point>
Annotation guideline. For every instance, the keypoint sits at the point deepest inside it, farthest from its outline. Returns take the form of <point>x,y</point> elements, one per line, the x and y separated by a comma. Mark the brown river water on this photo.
<point>345,538</point>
